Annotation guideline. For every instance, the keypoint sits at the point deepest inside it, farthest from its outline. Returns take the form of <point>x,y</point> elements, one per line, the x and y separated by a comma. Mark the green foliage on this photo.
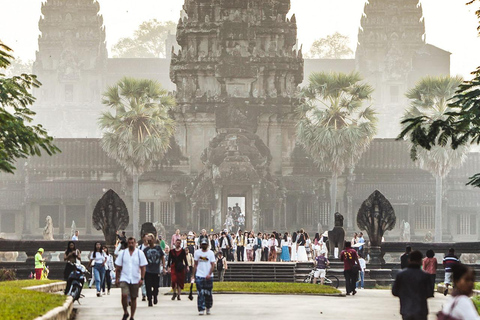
<point>21,304</point>
<point>460,127</point>
<point>334,46</point>
<point>7,275</point>
<point>137,134</point>
<point>476,301</point>
<point>334,126</point>
<point>272,287</point>
<point>18,139</point>
<point>148,41</point>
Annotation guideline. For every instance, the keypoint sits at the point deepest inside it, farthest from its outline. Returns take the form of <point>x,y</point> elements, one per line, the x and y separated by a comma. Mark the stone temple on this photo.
<point>235,72</point>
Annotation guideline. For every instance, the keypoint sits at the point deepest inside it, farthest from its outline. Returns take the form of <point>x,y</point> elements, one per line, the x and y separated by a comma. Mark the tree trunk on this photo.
<point>333,200</point>
<point>438,208</point>
<point>136,207</point>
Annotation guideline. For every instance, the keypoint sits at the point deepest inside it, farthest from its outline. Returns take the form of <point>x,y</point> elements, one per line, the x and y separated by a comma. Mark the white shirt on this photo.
<point>464,308</point>
<point>131,265</point>
<point>363,264</point>
<point>284,243</point>
<point>99,257</point>
<point>74,238</point>
<point>264,243</point>
<point>205,260</point>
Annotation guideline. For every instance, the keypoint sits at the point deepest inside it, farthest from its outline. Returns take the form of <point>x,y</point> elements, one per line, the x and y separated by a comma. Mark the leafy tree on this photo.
<point>18,139</point>
<point>334,46</point>
<point>429,99</point>
<point>148,40</point>
<point>334,126</point>
<point>460,127</point>
<point>137,134</point>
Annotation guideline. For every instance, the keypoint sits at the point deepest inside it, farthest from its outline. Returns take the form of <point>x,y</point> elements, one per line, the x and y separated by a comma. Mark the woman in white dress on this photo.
<point>293,256</point>
<point>301,252</point>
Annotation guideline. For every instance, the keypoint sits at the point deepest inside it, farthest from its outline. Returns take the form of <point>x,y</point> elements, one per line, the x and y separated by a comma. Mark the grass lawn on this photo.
<point>19,304</point>
<point>270,287</point>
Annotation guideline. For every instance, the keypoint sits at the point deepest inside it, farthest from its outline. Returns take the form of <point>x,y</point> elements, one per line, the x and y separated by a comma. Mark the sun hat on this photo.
<point>204,241</point>
<point>40,250</point>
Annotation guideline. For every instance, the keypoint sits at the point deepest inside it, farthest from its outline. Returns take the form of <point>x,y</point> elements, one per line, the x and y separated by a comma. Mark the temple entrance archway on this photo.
<point>241,195</point>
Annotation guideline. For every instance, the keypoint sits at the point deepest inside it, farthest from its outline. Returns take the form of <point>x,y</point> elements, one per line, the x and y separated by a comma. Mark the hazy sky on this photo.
<point>450,24</point>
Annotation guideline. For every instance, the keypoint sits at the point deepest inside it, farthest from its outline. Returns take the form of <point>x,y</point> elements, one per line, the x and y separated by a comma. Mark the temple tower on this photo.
<point>71,63</point>
<point>391,36</point>
<point>236,71</point>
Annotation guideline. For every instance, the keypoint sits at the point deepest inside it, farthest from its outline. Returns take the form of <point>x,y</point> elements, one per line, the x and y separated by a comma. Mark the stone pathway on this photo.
<point>367,304</point>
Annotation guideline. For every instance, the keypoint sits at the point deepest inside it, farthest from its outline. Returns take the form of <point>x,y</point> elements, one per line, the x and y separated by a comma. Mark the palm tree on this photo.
<point>334,127</point>
<point>430,99</point>
<point>137,134</point>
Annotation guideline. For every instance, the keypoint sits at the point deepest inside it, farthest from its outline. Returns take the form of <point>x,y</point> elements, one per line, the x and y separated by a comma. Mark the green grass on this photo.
<point>270,288</point>
<point>379,287</point>
<point>20,304</point>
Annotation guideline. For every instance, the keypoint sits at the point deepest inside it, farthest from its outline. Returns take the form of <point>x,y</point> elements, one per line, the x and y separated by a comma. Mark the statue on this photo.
<point>48,230</point>
<point>336,237</point>
<point>376,216</point>
<point>147,228</point>
<point>110,215</point>
<point>405,231</point>
<point>73,228</point>
<point>428,237</point>
<point>160,229</point>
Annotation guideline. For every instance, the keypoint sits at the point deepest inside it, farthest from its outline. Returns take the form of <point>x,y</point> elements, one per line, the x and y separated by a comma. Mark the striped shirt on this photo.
<point>449,261</point>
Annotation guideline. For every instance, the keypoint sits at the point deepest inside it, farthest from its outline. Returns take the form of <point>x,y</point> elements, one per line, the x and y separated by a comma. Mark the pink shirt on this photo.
<point>430,265</point>
<point>174,239</point>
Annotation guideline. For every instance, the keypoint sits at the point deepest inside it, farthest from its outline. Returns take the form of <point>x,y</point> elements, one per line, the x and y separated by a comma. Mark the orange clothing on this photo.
<point>430,265</point>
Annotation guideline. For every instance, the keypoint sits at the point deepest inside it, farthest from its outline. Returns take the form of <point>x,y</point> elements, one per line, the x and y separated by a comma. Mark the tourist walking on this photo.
<point>449,261</point>
<point>351,266</point>
<point>203,272</point>
<point>177,264</point>
<point>413,287</point>
<point>404,257</point>
<point>130,273</point>
<point>98,260</point>
<point>109,268</point>
<point>460,306</point>
<point>272,248</point>
<point>301,251</point>
<point>175,236</point>
<point>222,266</point>
<point>70,257</point>
<point>166,276</point>
<point>155,259</point>
<point>430,265</point>
<point>190,263</point>
<point>361,273</point>
<point>240,239</point>
<point>285,255</point>
<point>39,261</point>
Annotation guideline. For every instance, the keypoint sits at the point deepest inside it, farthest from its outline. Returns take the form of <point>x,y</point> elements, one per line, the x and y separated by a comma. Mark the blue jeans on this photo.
<point>204,289</point>
<point>361,278</point>
<point>99,274</point>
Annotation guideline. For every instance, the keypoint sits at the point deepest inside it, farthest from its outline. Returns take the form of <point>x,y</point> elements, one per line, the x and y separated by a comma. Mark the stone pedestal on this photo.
<point>376,257</point>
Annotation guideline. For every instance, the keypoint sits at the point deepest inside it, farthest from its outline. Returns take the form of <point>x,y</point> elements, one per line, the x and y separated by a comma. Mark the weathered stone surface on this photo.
<point>376,216</point>
<point>336,237</point>
<point>110,215</point>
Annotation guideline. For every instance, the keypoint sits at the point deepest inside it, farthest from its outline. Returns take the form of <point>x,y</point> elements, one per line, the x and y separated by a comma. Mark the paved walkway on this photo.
<point>367,304</point>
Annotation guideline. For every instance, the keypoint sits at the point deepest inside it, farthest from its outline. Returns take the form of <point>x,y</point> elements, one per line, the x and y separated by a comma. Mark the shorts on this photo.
<point>129,289</point>
<point>320,273</point>
<point>448,277</point>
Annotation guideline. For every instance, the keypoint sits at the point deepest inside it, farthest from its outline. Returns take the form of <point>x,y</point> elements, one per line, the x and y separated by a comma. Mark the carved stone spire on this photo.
<point>71,64</point>
<point>236,60</point>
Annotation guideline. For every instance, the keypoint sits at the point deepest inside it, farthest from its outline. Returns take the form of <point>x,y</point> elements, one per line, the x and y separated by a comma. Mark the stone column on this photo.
<point>27,214</point>
<point>217,213</point>
<point>88,215</point>
<point>62,218</point>
<point>411,217</point>
<point>299,215</point>
<point>255,207</point>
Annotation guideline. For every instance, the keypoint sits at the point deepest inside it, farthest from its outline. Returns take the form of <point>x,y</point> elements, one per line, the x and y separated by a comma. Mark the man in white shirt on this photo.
<point>75,236</point>
<point>130,273</point>
<point>203,273</point>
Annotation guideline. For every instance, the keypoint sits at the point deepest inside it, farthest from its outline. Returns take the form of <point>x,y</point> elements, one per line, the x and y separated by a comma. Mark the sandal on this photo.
<point>178,297</point>
<point>125,316</point>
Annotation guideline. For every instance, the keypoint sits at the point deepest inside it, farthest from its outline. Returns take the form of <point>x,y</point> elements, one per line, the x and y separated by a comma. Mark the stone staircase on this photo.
<point>260,272</point>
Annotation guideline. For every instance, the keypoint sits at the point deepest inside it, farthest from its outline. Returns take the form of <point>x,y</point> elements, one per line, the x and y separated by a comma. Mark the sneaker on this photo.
<point>362,288</point>
<point>108,292</point>
<point>445,292</point>
<point>348,293</point>
<point>155,300</point>
<point>98,294</point>
<point>103,293</point>
<point>150,304</point>
<point>201,313</point>
<point>144,298</point>
<point>174,296</point>
<point>354,292</point>
<point>208,311</point>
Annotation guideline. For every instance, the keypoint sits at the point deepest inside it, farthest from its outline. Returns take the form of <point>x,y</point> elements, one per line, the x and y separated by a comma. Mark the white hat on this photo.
<point>190,233</point>
<point>323,252</point>
<point>325,234</point>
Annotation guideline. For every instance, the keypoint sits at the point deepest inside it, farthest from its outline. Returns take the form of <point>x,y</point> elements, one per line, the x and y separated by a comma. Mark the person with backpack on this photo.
<point>222,266</point>
<point>351,267</point>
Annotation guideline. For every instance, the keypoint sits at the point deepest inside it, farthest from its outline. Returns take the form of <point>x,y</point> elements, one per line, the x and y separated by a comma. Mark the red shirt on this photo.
<point>430,265</point>
<point>349,258</point>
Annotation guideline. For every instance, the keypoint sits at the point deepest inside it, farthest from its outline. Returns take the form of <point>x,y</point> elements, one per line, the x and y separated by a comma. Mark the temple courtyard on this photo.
<point>367,304</point>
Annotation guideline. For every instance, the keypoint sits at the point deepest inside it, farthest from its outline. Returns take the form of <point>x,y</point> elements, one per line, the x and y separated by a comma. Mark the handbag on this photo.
<point>443,316</point>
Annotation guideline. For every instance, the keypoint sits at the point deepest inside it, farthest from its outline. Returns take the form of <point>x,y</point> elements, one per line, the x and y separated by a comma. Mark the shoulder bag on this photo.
<point>447,316</point>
